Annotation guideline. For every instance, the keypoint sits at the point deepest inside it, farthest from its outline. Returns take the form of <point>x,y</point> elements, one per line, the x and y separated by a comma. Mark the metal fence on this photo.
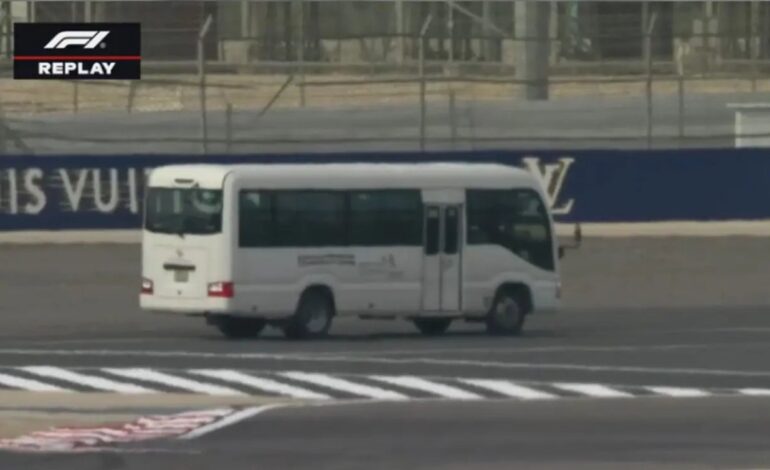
<point>659,99</point>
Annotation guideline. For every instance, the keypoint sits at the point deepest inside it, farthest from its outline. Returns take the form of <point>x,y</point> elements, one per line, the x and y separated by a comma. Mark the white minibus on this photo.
<point>295,245</point>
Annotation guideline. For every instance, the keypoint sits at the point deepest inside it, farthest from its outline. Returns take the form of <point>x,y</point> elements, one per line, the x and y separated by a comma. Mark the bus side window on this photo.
<point>451,228</point>
<point>385,218</point>
<point>310,218</point>
<point>255,219</point>
<point>432,231</point>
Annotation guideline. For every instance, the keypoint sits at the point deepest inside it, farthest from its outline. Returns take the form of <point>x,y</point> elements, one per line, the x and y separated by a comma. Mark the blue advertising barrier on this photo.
<point>105,192</point>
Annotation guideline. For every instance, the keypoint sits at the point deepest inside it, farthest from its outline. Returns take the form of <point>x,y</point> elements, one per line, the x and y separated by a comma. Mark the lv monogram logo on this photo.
<point>552,177</point>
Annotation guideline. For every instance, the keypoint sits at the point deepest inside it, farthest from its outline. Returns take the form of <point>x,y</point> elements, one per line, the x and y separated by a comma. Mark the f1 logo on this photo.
<point>77,51</point>
<point>87,39</point>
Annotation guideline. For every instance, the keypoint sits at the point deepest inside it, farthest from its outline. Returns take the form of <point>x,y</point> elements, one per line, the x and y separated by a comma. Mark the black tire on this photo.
<point>313,317</point>
<point>432,326</point>
<point>507,315</point>
<point>240,328</point>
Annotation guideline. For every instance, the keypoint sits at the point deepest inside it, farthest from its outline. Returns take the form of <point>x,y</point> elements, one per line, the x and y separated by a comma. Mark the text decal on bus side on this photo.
<point>77,51</point>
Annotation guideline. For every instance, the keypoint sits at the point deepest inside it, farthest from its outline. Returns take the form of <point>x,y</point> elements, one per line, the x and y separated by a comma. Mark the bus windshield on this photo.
<point>184,211</point>
<point>516,220</point>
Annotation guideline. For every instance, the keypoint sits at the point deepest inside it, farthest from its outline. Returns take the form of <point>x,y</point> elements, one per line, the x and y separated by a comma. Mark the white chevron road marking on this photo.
<point>344,385</point>
<point>324,386</point>
<point>756,392</point>
<point>510,389</point>
<point>150,375</point>
<point>29,384</point>
<point>260,383</point>
<point>424,385</point>
<point>592,390</point>
<point>679,392</point>
<point>98,383</point>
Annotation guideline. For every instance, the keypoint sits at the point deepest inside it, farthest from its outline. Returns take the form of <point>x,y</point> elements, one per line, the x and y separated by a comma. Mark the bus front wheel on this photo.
<point>506,318</point>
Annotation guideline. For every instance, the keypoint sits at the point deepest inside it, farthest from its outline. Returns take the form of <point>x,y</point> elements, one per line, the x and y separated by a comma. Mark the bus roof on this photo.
<point>349,175</point>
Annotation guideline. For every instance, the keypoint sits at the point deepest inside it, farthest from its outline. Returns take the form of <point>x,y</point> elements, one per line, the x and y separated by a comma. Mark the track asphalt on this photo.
<point>659,360</point>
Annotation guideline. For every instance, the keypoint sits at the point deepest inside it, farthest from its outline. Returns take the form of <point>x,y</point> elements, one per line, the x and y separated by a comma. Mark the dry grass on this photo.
<point>255,91</point>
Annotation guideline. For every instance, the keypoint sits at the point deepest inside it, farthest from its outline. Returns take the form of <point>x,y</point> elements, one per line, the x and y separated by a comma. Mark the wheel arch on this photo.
<point>320,288</point>
<point>520,289</point>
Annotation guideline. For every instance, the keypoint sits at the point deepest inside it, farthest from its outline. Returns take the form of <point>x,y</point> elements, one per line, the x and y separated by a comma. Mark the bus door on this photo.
<point>442,263</point>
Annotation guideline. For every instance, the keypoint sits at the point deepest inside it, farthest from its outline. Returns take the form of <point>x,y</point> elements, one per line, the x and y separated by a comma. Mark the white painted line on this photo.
<point>98,383</point>
<point>527,350</point>
<point>756,392</point>
<point>261,383</point>
<point>743,329</point>
<point>228,421</point>
<point>679,392</point>
<point>102,450</point>
<point>594,390</point>
<point>150,375</point>
<point>29,384</point>
<point>512,349</point>
<point>669,228</point>
<point>337,383</point>
<point>424,385</point>
<point>510,389</point>
<point>381,360</point>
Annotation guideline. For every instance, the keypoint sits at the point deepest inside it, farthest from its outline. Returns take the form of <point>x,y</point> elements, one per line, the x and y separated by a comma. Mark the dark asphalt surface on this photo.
<point>561,123</point>
<point>90,292</point>
<point>661,312</point>
<point>716,433</point>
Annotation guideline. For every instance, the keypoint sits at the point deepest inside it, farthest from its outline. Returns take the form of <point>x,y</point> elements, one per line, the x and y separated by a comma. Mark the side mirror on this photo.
<point>576,244</point>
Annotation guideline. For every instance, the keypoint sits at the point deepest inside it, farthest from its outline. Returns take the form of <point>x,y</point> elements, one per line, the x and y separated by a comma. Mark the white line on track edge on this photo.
<point>229,420</point>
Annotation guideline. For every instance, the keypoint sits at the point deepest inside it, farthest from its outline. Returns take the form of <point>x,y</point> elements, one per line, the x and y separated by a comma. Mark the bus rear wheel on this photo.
<point>240,328</point>
<point>313,317</point>
<point>432,326</point>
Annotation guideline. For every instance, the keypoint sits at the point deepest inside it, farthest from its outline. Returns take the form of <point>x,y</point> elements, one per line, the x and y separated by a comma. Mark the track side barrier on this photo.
<point>91,199</point>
